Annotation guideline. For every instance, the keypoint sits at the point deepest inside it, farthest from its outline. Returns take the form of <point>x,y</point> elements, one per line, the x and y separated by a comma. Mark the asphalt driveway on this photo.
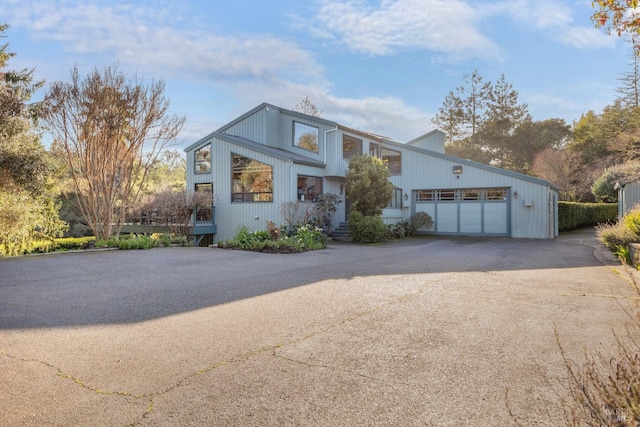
<point>422,331</point>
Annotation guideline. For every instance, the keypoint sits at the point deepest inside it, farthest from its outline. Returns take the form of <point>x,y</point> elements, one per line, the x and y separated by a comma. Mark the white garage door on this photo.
<point>469,211</point>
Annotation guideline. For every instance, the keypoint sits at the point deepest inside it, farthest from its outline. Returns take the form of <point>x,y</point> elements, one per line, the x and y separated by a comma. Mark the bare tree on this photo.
<point>174,208</point>
<point>307,107</point>
<point>566,169</point>
<point>109,131</point>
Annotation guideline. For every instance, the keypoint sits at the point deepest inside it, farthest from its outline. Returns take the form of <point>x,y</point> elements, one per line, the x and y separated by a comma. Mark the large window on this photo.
<point>309,187</point>
<point>252,180</point>
<point>396,198</point>
<point>203,213</point>
<point>305,136</point>
<point>393,159</point>
<point>351,146</point>
<point>203,159</point>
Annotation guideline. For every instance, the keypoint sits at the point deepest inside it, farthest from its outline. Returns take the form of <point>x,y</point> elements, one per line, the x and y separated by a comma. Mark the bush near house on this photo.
<point>88,242</point>
<point>295,239</point>
<point>617,235</point>
<point>572,215</point>
<point>404,228</point>
<point>368,229</point>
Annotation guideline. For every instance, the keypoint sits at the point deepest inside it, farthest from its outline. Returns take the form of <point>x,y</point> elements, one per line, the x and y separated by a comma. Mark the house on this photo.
<point>628,196</point>
<point>272,155</point>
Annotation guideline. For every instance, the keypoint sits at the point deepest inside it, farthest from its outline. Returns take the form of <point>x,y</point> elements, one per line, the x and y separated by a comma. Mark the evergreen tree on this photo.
<point>367,185</point>
<point>27,187</point>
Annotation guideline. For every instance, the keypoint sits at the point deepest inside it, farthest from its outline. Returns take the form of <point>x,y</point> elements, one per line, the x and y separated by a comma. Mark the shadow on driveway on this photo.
<point>114,287</point>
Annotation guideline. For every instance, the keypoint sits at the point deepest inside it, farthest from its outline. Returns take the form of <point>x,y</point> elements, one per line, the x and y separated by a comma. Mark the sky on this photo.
<point>382,66</point>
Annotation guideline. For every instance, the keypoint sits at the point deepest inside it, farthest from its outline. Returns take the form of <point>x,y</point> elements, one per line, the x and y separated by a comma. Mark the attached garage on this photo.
<point>468,211</point>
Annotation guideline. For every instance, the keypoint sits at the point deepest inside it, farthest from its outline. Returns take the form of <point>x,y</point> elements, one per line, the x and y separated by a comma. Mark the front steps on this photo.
<point>341,232</point>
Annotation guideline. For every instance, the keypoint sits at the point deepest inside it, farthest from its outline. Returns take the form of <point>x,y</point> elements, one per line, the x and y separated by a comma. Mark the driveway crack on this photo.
<point>242,358</point>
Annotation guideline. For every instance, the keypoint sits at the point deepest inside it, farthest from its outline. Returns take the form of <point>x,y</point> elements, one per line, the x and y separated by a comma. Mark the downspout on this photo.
<point>293,182</point>
<point>325,158</point>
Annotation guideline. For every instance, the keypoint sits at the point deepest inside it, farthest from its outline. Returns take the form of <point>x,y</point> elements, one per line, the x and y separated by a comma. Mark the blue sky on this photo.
<point>382,66</point>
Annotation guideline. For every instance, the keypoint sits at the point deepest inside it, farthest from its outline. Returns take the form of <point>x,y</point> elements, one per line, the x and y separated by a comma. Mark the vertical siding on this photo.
<point>419,171</point>
<point>253,127</point>
<point>231,216</point>
<point>433,141</point>
<point>630,197</point>
<point>192,178</point>
<point>285,136</point>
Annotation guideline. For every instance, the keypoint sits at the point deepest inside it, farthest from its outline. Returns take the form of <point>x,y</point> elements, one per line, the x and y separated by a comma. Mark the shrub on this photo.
<point>301,238</point>
<point>632,221</point>
<point>418,220</point>
<point>614,235</point>
<point>605,391</point>
<point>367,229</point>
<point>141,242</point>
<point>399,230</point>
<point>326,206</point>
<point>161,238</point>
<point>572,215</point>
<point>180,240</point>
<point>309,237</point>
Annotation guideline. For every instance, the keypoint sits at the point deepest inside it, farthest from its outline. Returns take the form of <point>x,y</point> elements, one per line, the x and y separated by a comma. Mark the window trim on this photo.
<point>198,209</point>
<point>392,166</point>
<point>375,152</point>
<point>397,198</point>
<point>485,195</point>
<point>295,140</point>
<point>358,147</point>
<point>317,178</point>
<point>249,194</point>
<point>197,162</point>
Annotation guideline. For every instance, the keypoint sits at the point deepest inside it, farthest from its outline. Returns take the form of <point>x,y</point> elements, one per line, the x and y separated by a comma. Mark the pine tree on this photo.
<point>27,187</point>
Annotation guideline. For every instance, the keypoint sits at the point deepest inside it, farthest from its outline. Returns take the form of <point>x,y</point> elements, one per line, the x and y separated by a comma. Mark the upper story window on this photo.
<point>374,149</point>
<point>305,136</point>
<point>309,187</point>
<point>203,159</point>
<point>393,159</point>
<point>252,180</point>
<point>351,146</point>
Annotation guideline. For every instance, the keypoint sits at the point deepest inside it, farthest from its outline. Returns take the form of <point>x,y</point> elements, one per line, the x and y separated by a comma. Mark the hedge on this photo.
<point>572,215</point>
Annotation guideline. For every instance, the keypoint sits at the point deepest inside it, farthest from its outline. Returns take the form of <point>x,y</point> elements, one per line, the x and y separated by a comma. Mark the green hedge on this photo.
<point>573,215</point>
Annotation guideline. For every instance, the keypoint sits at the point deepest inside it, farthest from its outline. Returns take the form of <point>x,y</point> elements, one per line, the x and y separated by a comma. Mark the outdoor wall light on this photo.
<point>515,195</point>
<point>406,196</point>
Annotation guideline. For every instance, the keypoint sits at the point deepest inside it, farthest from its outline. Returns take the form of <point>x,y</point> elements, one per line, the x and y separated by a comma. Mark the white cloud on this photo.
<point>388,116</point>
<point>152,42</point>
<point>556,20</point>
<point>585,37</point>
<point>450,27</point>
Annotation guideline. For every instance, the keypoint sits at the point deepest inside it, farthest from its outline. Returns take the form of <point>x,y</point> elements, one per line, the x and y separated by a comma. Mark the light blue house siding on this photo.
<point>463,197</point>
<point>628,196</point>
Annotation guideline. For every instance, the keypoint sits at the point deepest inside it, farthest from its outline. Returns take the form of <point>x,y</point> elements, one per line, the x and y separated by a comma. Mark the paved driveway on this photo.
<point>422,331</point>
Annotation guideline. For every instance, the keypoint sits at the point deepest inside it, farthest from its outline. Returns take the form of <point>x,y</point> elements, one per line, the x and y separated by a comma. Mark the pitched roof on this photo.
<point>297,158</point>
<point>278,153</point>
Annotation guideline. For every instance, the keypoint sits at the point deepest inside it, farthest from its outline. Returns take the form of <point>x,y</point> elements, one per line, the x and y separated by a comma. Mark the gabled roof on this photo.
<point>424,135</point>
<point>297,158</point>
<point>265,105</point>
<point>278,153</point>
<point>471,163</point>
